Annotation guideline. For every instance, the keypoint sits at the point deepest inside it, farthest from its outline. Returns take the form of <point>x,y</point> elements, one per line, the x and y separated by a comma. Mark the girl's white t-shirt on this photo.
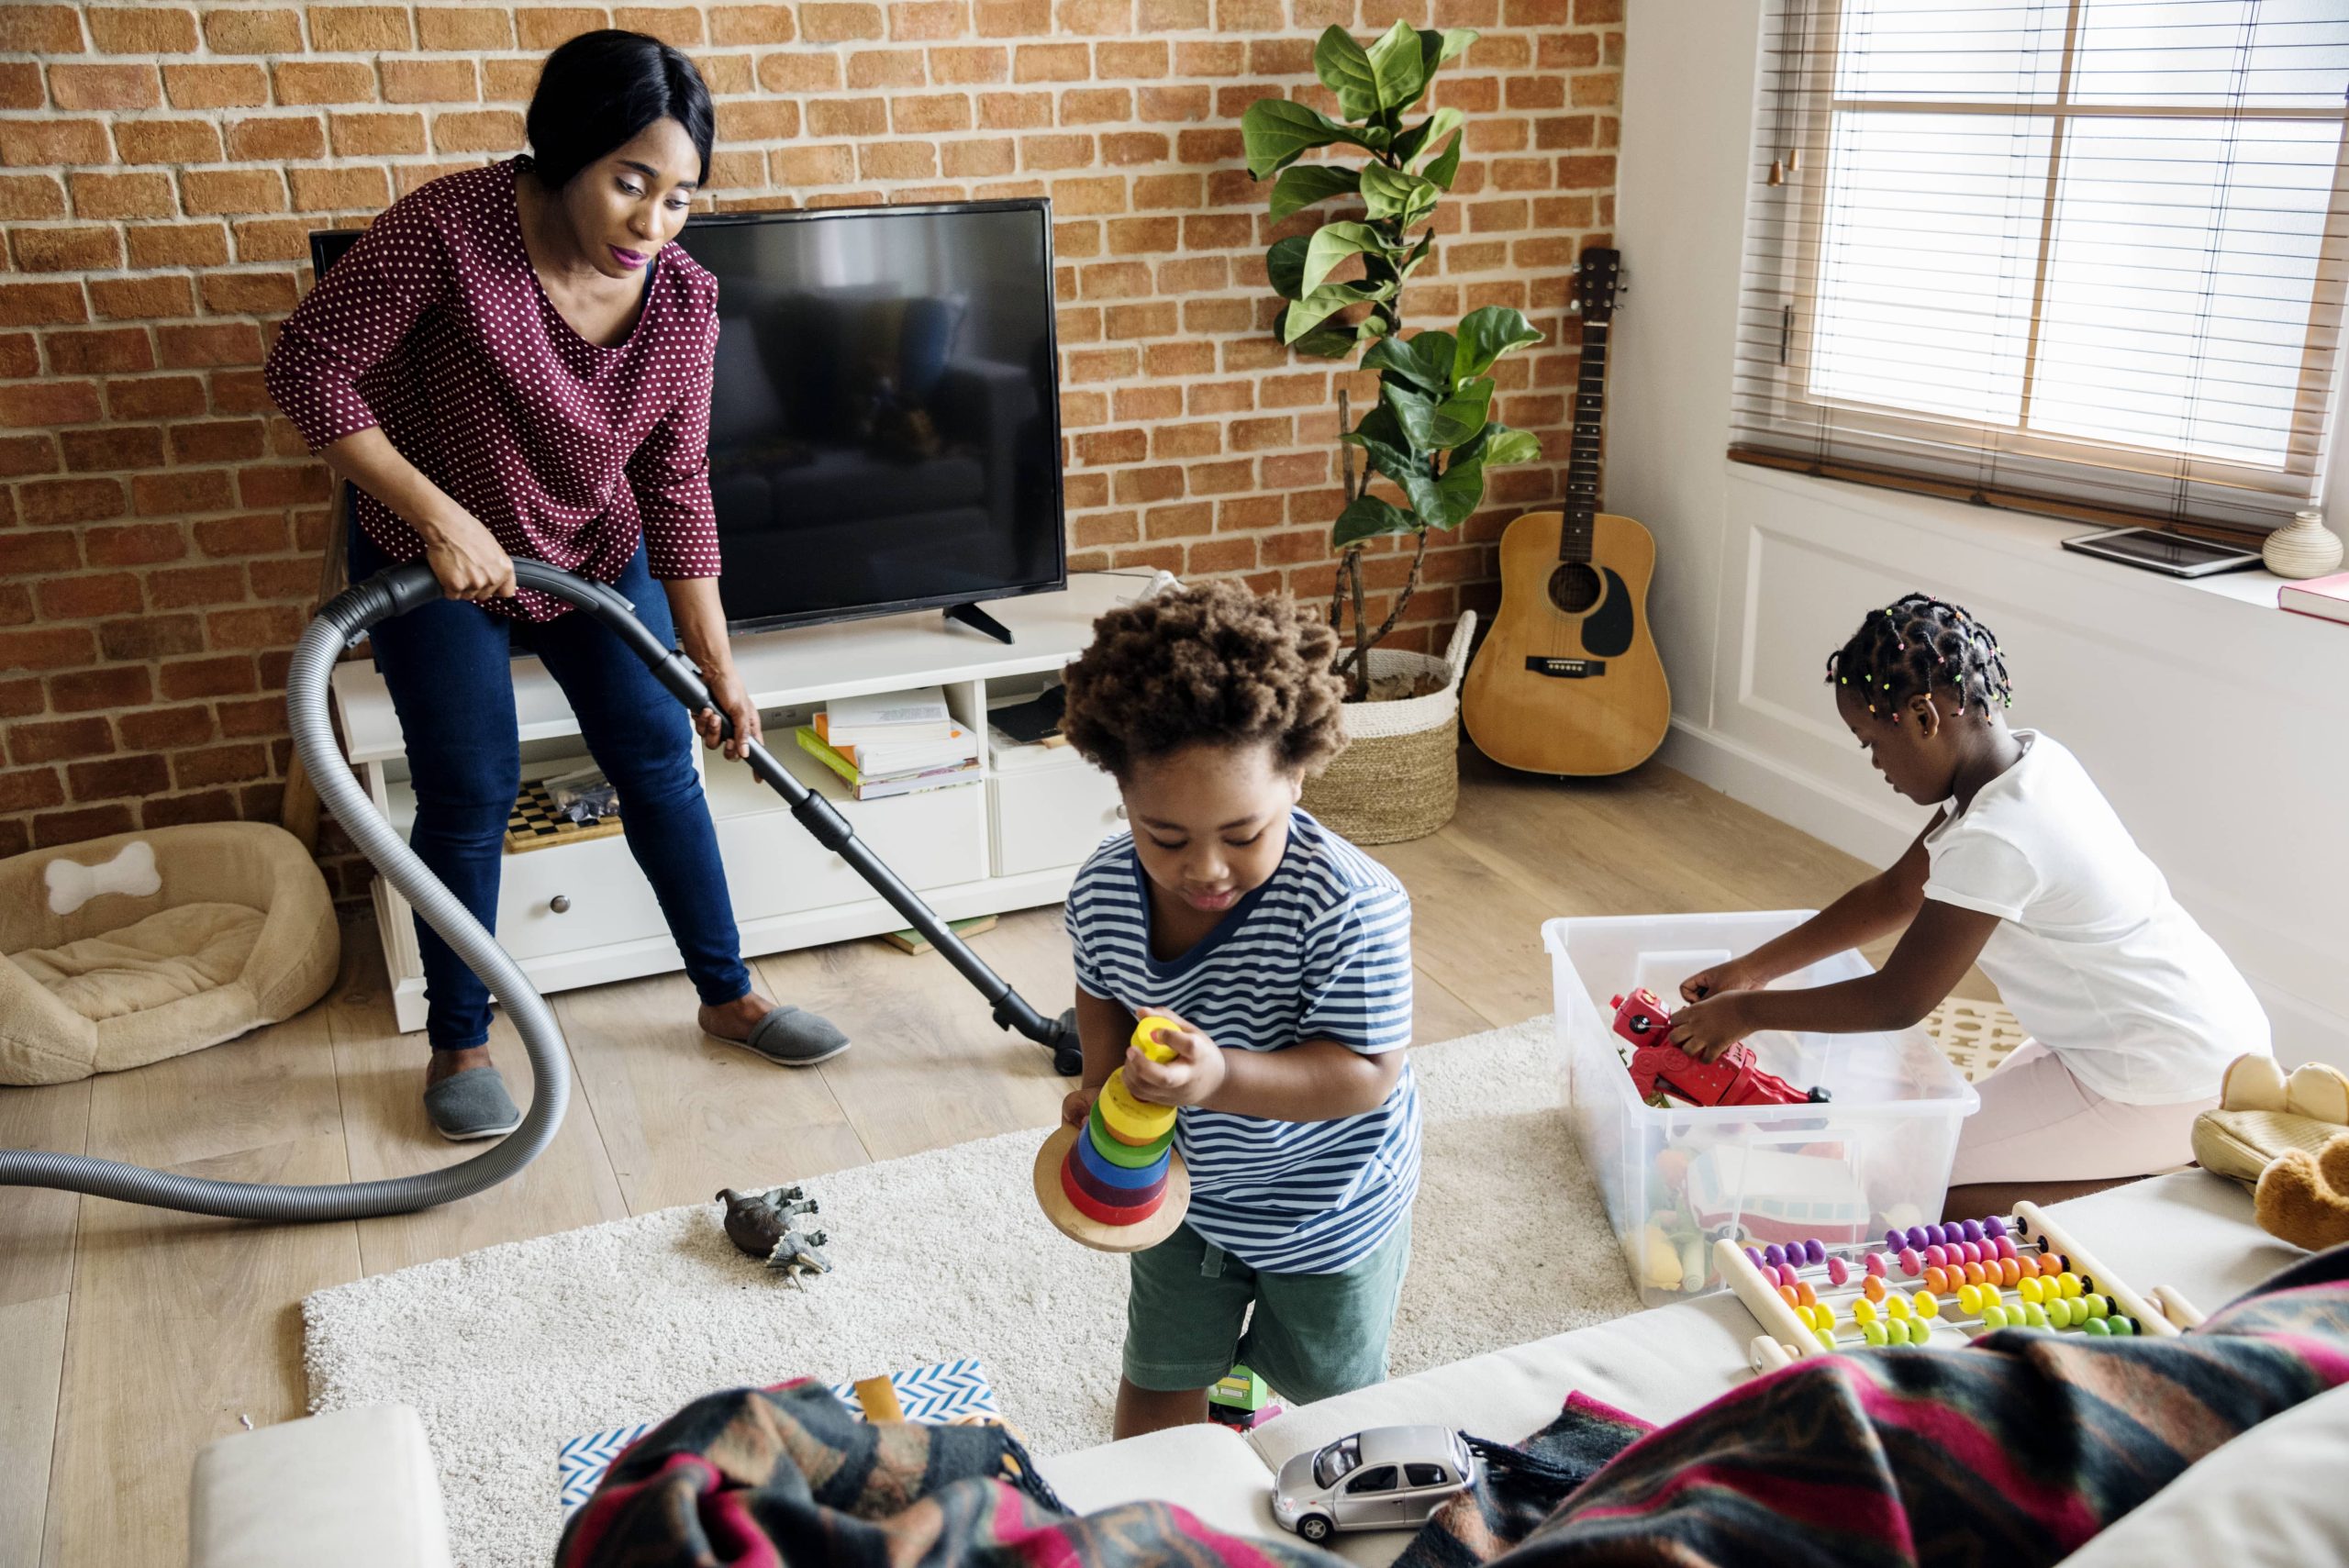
<point>2092,953</point>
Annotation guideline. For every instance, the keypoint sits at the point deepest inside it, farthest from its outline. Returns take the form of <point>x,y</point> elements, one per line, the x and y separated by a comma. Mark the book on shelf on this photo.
<point>879,787</point>
<point>902,756</point>
<point>908,717</point>
<point>2325,596</point>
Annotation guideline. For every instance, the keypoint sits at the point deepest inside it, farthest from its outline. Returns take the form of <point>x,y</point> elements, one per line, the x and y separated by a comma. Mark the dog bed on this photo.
<point>124,951</point>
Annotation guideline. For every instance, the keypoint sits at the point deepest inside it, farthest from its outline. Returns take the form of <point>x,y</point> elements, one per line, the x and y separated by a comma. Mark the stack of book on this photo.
<point>895,743</point>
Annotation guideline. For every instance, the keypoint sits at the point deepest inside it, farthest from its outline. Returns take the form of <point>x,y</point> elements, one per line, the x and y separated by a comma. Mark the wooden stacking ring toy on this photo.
<point>1117,1183</point>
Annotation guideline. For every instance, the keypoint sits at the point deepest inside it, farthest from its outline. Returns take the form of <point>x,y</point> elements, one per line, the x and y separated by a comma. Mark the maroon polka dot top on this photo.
<point>433,325</point>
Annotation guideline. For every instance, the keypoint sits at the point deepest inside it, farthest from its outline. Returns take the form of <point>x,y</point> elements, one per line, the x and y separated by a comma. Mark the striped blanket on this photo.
<point>2015,1451</point>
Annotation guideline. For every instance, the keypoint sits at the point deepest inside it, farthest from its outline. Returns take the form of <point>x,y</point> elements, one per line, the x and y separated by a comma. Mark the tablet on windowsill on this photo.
<point>2155,550</point>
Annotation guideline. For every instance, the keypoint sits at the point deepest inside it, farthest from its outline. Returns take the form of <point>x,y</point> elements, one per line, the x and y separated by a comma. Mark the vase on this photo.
<point>1399,775</point>
<point>2302,547</point>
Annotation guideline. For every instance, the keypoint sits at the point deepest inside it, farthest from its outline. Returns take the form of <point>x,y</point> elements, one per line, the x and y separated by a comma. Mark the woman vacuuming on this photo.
<point>516,360</point>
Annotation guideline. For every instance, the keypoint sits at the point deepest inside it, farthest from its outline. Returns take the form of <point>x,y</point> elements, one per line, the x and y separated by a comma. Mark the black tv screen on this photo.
<point>885,429</point>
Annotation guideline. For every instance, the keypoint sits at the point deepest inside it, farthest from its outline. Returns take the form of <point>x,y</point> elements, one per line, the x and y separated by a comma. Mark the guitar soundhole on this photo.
<point>1575,587</point>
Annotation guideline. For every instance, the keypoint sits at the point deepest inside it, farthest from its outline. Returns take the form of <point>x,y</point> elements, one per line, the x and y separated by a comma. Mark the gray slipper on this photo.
<point>791,1037</point>
<point>471,1104</point>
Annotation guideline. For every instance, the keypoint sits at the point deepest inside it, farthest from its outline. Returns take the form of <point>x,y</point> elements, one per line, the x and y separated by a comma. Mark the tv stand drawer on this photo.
<point>1051,817</point>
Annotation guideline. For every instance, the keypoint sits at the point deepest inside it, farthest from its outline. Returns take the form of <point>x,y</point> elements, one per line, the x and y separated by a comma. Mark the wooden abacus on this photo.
<point>1973,1277</point>
<point>1117,1183</point>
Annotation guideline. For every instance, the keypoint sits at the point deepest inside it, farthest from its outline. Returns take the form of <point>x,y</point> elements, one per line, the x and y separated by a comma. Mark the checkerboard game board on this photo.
<point>535,823</point>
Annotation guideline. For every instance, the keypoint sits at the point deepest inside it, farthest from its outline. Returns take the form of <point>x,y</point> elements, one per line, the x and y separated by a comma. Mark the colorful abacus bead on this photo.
<point>1839,1272</point>
<point>1873,1265</point>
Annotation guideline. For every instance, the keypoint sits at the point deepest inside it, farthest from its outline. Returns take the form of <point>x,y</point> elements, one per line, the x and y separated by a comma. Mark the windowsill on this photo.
<point>2037,540</point>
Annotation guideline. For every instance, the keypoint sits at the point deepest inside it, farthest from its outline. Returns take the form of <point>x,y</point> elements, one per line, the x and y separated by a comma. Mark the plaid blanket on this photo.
<point>2014,1453</point>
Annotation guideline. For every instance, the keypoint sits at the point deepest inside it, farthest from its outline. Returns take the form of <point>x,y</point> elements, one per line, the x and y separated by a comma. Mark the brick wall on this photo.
<point>161,168</point>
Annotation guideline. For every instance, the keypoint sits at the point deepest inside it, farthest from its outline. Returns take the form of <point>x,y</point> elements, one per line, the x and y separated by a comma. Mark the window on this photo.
<point>1336,1460</point>
<point>2082,257</point>
<point>1379,1479</point>
<point>1426,1475</point>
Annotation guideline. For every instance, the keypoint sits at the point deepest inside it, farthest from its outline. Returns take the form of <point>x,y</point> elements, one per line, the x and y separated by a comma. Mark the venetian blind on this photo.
<point>2084,257</point>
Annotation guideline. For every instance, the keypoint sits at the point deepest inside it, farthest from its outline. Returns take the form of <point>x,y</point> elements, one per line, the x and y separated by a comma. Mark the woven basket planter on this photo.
<point>1399,775</point>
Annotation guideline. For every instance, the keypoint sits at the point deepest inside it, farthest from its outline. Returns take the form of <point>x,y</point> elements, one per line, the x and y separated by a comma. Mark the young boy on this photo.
<point>1282,954</point>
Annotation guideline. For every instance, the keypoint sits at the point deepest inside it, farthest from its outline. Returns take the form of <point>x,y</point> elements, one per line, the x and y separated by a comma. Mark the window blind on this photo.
<point>2082,257</point>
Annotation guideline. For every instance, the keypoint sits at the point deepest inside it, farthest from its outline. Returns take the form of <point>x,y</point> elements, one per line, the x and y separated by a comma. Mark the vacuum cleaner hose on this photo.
<point>340,624</point>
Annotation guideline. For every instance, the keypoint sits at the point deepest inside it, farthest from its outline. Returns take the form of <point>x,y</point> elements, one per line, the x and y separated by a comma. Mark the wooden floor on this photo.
<point>130,1338</point>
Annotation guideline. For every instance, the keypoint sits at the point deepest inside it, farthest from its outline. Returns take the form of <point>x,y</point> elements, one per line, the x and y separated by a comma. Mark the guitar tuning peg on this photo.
<point>1574,307</point>
<point>1574,270</point>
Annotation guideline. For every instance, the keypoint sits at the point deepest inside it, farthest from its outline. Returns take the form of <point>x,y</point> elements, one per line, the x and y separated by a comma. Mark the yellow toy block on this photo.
<point>1145,1029</point>
<point>1129,1119</point>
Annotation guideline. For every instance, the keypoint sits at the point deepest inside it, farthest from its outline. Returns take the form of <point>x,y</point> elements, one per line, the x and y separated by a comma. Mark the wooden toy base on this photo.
<point>1092,1232</point>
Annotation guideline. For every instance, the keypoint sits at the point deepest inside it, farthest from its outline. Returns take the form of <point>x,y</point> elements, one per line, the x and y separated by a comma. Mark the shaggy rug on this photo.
<point>510,1351</point>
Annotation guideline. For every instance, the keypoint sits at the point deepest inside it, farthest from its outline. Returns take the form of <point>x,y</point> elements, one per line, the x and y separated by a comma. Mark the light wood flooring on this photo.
<point>131,1337</point>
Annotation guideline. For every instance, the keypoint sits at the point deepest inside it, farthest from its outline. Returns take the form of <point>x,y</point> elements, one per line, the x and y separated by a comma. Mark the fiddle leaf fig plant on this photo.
<point>1430,436</point>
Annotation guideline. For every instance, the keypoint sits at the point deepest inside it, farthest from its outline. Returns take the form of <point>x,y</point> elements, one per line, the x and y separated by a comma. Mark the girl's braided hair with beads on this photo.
<point>1918,645</point>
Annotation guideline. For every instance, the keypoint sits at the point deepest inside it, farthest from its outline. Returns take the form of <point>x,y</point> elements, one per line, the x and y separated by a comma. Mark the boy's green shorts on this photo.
<point>1313,1335</point>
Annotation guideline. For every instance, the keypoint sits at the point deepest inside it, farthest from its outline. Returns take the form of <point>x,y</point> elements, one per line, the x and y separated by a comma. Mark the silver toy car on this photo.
<point>1385,1478</point>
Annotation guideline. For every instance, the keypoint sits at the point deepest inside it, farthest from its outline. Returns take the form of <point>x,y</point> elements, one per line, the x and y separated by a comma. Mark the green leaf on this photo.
<point>1437,48</point>
<point>1345,70</point>
<point>1285,265</point>
<point>1460,417</point>
<point>1395,66</point>
<point>1370,328</point>
<point>1391,194</point>
<point>1367,517</point>
<point>1485,335</point>
<point>1407,146</point>
<point>1459,492</point>
<point>1414,411</point>
<point>1327,344</point>
<point>1411,262</point>
<point>1445,169</point>
<point>1426,495</point>
<point>1423,359</point>
<point>1319,304</point>
<point>1503,445</point>
<point>1277,132</point>
<point>1382,440</point>
<point>1302,184</point>
<point>1332,244</point>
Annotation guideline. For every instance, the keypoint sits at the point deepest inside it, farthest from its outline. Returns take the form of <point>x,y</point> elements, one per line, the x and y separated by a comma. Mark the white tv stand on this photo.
<point>582,914</point>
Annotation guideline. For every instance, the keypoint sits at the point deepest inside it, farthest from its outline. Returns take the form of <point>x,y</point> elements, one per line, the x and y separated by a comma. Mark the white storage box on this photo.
<point>1876,1154</point>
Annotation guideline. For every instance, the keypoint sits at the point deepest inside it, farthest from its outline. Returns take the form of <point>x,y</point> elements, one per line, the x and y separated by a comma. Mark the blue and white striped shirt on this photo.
<point>1322,950</point>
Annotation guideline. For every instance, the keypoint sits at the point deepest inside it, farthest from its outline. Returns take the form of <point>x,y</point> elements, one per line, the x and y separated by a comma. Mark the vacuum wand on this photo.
<point>813,812</point>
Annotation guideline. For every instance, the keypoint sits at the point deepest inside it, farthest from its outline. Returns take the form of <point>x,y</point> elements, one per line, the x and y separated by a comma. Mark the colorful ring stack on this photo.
<point>1116,1170</point>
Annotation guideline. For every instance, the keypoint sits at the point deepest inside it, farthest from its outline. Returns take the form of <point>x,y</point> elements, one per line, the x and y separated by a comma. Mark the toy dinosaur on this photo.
<point>1660,1069</point>
<point>765,1226</point>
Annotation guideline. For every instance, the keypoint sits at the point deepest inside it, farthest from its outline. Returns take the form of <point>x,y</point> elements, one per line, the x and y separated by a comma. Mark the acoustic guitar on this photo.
<point>1568,681</point>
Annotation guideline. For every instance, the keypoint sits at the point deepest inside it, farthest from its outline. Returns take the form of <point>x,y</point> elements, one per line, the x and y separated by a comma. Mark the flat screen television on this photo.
<point>885,426</point>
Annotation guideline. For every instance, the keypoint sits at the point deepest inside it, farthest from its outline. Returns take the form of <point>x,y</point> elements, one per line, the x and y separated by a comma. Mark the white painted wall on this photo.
<point>2218,725</point>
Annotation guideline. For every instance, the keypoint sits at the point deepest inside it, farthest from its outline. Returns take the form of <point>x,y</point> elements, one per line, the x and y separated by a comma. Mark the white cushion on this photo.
<point>1210,1470</point>
<point>2272,1498</point>
<point>354,1488</point>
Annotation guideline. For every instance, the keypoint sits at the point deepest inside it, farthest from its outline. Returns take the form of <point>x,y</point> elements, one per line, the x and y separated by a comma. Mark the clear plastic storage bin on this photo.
<point>1675,1179</point>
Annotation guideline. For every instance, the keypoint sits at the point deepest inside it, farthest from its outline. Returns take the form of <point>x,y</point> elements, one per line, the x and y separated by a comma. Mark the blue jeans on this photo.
<point>446,664</point>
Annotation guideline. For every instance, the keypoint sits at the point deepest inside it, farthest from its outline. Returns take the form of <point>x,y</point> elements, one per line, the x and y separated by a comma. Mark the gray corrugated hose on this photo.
<point>339,624</point>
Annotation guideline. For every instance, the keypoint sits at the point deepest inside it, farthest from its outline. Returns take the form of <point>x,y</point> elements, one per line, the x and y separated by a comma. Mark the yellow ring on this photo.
<point>1128,1118</point>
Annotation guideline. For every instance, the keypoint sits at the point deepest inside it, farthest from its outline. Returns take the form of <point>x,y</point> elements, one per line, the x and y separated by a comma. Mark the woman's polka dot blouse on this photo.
<point>433,327</point>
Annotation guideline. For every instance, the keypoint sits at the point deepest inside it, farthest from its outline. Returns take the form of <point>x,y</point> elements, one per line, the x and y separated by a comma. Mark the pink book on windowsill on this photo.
<point>2326,596</point>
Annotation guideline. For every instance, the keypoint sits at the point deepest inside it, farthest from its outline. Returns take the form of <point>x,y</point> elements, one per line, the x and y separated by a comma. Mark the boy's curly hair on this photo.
<point>1211,664</point>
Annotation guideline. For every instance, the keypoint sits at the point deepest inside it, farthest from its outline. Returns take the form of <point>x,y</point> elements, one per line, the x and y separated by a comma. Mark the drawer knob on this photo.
<point>560,903</point>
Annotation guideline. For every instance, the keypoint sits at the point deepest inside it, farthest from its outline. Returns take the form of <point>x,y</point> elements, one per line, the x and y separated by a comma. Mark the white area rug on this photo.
<point>508,1352</point>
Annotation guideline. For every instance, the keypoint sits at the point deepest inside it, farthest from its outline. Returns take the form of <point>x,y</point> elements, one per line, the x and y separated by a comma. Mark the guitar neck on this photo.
<point>1584,453</point>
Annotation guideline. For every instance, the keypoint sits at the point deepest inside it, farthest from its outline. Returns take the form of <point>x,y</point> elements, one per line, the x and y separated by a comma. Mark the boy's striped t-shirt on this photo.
<point>1321,951</point>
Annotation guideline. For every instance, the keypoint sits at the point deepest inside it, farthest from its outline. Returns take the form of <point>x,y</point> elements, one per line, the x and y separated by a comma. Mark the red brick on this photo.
<point>105,86</point>
<point>121,195</point>
<point>20,697</point>
<point>1219,397</point>
<point>67,250</point>
<point>376,135</point>
<point>1155,319</point>
<point>208,806</point>
<point>150,637</point>
<point>135,544</point>
<point>155,396</point>
<point>472,131</point>
<point>248,294</point>
<point>334,83</point>
<point>253,32</point>
<point>181,491</point>
<point>21,455</point>
<point>801,71</point>
<point>228,675</point>
<point>1139,487</point>
<point>281,486</point>
<point>950,67</point>
<point>167,728</point>
<point>1168,441</point>
<point>929,20</point>
<point>221,765</point>
<point>274,238</point>
<point>1051,62</point>
<point>979,156</point>
<point>464,28</point>
<point>118,685</point>
<point>222,343</point>
<point>130,299</point>
<point>357,30</point>
<point>23,553</point>
<point>238,86</point>
<point>20,85</point>
<point>831,21</point>
<point>797,166</point>
<point>30,789</point>
<point>1234,554</point>
<point>848,117</point>
<point>42,404</point>
<point>363,189</point>
<point>511,81</point>
<point>55,828</point>
<point>61,741</point>
<point>119,776</point>
<point>277,138</point>
<point>108,448</point>
<point>869,69</point>
<point>31,196</point>
<point>1131,61</point>
<point>899,161</point>
<point>930,115</point>
<point>751,24</point>
<point>167,141</point>
<point>430,82</point>
<point>40,30</point>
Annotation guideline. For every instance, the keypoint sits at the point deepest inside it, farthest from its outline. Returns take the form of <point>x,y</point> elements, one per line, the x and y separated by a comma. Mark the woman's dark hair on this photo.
<point>1918,645</point>
<point>1212,663</point>
<point>598,90</point>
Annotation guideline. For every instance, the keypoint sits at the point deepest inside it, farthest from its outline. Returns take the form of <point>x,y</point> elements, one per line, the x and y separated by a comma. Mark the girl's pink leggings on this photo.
<point>2038,1123</point>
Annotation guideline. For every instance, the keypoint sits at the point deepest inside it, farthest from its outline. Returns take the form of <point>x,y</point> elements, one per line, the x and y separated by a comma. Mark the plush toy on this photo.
<point>2263,1113</point>
<point>2303,1198</point>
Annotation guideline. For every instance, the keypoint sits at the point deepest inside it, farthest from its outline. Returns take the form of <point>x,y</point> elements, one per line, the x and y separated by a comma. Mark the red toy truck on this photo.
<point>1658,1066</point>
